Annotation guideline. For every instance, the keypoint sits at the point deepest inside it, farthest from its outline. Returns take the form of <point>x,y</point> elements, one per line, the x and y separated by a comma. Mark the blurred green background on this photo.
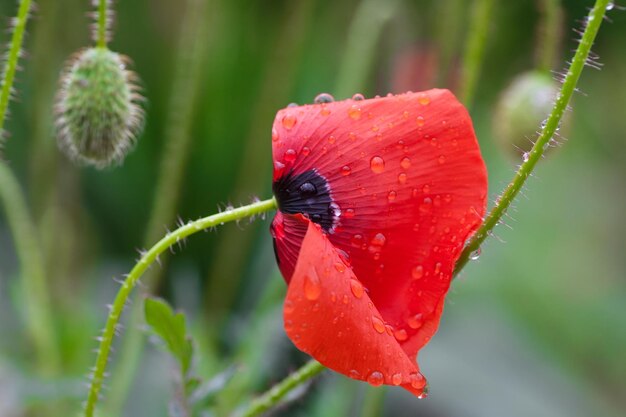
<point>536,326</point>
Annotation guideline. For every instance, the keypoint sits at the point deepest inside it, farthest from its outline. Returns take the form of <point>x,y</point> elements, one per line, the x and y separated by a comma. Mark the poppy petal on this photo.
<point>329,315</point>
<point>409,184</point>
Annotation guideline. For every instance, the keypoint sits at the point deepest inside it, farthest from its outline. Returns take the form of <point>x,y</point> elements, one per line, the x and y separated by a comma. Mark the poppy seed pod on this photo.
<point>98,116</point>
<point>521,109</point>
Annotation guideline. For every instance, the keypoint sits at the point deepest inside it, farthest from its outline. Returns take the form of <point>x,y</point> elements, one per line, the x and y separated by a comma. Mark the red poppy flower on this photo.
<point>376,200</point>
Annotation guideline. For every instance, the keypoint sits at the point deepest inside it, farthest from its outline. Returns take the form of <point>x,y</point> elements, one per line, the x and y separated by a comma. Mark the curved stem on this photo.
<point>312,368</point>
<point>594,20</point>
<point>34,286</point>
<point>475,49</point>
<point>272,397</point>
<point>142,265</point>
<point>102,23</point>
<point>19,27</point>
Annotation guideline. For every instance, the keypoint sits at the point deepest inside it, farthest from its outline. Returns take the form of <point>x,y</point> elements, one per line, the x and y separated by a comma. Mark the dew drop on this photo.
<point>474,256</point>
<point>417,272</point>
<point>290,155</point>
<point>357,288</point>
<point>375,379</point>
<point>405,163</point>
<point>354,112</point>
<point>610,5</point>
<point>377,164</point>
<point>357,240</point>
<point>323,98</point>
<point>415,322</point>
<point>274,135</point>
<point>358,97</point>
<point>400,335</point>
<point>288,307</point>
<point>420,121</point>
<point>307,189</point>
<point>437,268</point>
<point>289,121</point>
<point>525,156</point>
<point>340,267</point>
<point>417,380</point>
<point>396,379</point>
<point>402,178</point>
<point>392,196</point>
<point>378,240</point>
<point>292,105</point>
<point>312,286</point>
<point>332,139</point>
<point>345,170</point>
<point>423,99</point>
<point>378,324</point>
<point>441,159</point>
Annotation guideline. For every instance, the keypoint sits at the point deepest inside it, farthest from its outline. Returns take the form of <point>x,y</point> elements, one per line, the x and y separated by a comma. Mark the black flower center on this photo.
<point>307,193</point>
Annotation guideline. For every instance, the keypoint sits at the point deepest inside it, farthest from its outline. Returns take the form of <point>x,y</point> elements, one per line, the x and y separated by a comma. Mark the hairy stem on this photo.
<point>142,265</point>
<point>273,397</point>
<point>475,48</point>
<point>34,287</point>
<point>594,20</point>
<point>102,23</point>
<point>13,56</point>
<point>178,139</point>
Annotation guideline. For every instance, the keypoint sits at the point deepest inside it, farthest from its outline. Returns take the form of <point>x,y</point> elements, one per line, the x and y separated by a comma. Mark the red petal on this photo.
<point>407,174</point>
<point>330,316</point>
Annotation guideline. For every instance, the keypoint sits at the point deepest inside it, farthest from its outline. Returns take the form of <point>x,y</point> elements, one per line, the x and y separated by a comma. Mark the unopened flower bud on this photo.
<point>521,110</point>
<point>98,116</point>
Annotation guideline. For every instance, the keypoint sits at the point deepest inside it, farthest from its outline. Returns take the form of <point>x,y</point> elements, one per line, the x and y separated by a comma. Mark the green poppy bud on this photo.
<point>522,109</point>
<point>98,116</point>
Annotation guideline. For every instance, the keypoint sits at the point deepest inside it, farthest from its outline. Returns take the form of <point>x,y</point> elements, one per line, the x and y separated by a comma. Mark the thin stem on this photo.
<point>475,48</point>
<point>548,39</point>
<point>594,20</point>
<point>103,23</point>
<point>272,397</point>
<point>178,139</point>
<point>19,28</point>
<point>35,290</point>
<point>142,265</point>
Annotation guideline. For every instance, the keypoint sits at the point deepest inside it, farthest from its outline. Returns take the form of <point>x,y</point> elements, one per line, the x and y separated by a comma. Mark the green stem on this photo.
<point>272,397</point>
<point>475,48</point>
<point>102,24</point>
<point>548,40</point>
<point>178,139</point>
<point>35,290</point>
<point>312,368</point>
<point>142,265</point>
<point>569,85</point>
<point>13,57</point>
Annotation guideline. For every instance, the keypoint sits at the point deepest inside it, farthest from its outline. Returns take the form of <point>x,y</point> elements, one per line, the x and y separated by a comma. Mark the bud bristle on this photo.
<point>97,110</point>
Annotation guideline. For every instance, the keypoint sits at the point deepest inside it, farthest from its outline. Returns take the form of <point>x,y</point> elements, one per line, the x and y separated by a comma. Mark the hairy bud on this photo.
<point>98,116</point>
<point>521,109</point>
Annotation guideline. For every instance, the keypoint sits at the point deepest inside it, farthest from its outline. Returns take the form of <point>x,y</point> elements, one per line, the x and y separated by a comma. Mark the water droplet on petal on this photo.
<point>357,288</point>
<point>420,121</point>
<point>396,379</point>
<point>417,272</point>
<point>378,324</point>
<point>417,380</point>
<point>357,240</point>
<point>312,286</point>
<point>345,170</point>
<point>375,379</point>
<point>340,267</point>
<point>405,163</point>
<point>358,97</point>
<point>323,98</point>
<point>354,112</point>
<point>348,213</point>
<point>289,121</point>
<point>441,159</point>
<point>400,335</point>
<point>274,135</point>
<point>290,155</point>
<point>377,164</point>
<point>392,196</point>
<point>332,139</point>
<point>292,105</point>
<point>305,151</point>
<point>416,321</point>
<point>402,178</point>
<point>288,307</point>
<point>423,99</point>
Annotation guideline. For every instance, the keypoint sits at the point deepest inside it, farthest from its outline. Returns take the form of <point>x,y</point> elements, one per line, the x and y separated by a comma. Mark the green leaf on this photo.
<point>171,328</point>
